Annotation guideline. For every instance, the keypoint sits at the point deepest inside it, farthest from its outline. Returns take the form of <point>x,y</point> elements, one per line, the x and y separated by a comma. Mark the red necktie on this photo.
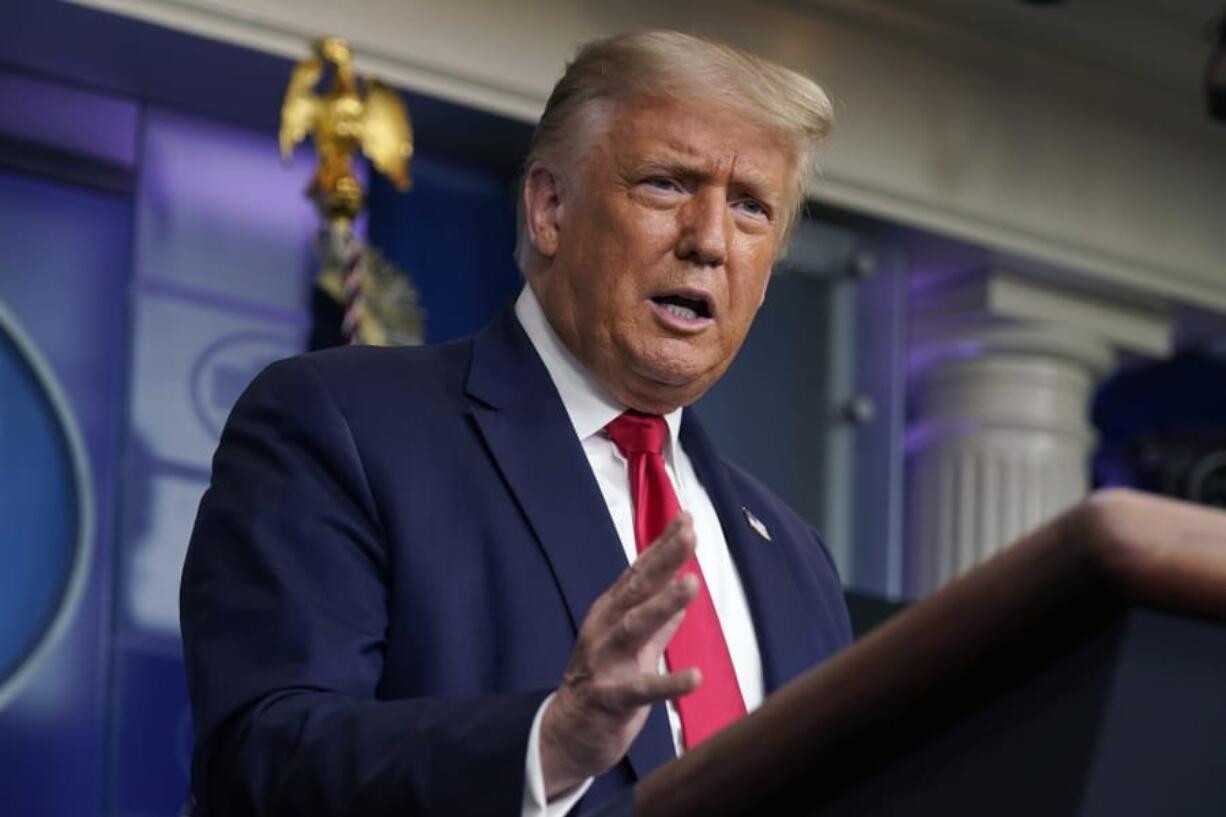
<point>699,642</point>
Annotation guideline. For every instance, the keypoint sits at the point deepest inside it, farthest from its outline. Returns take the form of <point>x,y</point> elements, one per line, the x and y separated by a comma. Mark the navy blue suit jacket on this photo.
<point>389,568</point>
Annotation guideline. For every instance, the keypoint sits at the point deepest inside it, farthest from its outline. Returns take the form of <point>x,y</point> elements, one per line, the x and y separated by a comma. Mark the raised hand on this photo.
<point>613,675</point>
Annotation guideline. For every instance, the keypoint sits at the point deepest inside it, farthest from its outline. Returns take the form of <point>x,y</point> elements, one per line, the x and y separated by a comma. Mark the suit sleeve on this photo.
<point>284,615</point>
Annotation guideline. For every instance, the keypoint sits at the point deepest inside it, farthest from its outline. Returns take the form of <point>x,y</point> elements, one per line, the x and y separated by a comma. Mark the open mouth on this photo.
<point>685,307</point>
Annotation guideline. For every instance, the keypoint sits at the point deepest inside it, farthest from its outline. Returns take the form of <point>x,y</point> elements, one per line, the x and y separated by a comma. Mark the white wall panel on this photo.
<point>1052,161</point>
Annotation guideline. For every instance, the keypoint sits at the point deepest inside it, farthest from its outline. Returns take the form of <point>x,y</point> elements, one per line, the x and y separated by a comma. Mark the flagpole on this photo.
<point>377,302</point>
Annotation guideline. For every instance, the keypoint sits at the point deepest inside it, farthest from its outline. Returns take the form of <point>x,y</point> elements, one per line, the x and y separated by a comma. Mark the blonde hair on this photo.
<point>681,66</point>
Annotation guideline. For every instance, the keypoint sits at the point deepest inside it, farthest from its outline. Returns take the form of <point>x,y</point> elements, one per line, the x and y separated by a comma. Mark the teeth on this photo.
<point>681,311</point>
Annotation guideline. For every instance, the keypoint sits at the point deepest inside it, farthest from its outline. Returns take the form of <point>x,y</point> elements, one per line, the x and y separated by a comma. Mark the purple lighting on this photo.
<point>76,122</point>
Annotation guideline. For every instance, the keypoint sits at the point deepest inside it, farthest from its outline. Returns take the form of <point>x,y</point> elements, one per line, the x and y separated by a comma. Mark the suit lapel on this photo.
<point>519,414</point>
<point>786,636</point>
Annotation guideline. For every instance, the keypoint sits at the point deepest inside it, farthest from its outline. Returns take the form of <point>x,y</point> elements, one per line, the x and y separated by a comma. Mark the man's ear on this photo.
<point>542,206</point>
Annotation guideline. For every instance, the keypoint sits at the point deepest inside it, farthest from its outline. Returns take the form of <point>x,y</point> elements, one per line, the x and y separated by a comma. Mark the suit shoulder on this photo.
<point>381,372</point>
<point>344,362</point>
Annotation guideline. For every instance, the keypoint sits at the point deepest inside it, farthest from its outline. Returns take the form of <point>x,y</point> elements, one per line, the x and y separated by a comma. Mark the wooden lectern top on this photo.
<point>905,679</point>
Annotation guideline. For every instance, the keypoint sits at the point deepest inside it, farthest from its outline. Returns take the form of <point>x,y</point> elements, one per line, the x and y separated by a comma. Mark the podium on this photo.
<point>1081,671</point>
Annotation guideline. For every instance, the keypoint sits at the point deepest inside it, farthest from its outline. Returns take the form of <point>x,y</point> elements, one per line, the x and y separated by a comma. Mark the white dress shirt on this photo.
<point>590,408</point>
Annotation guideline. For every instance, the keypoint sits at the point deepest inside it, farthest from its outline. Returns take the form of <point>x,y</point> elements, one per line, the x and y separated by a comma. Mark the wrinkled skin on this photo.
<point>671,198</point>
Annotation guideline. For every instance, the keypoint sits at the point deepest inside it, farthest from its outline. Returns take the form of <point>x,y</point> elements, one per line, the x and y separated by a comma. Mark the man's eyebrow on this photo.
<point>673,164</point>
<point>756,186</point>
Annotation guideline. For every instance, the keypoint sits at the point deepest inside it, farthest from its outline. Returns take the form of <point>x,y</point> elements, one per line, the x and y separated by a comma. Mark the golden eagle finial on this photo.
<point>344,118</point>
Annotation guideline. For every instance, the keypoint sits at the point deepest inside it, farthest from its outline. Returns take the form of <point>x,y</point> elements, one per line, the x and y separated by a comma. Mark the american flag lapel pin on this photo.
<point>757,524</point>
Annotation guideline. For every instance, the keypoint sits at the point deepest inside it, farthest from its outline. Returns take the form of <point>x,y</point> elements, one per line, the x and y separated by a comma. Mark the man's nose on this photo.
<point>704,229</point>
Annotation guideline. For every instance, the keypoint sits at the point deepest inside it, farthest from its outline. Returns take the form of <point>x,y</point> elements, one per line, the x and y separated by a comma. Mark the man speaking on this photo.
<point>407,590</point>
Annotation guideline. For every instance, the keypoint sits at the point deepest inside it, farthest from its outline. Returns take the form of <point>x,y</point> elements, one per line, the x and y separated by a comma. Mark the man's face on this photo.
<point>658,250</point>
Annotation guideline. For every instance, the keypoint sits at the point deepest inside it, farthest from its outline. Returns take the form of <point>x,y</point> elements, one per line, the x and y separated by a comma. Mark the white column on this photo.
<point>1003,372</point>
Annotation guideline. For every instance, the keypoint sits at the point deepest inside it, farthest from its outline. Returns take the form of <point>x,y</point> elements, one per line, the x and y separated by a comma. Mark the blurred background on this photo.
<point>1009,288</point>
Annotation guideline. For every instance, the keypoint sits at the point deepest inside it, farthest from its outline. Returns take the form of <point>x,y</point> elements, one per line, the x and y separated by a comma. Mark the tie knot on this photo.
<point>635,433</point>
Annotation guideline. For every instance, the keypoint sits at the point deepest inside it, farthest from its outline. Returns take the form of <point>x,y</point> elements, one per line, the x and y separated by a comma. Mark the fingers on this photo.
<point>655,567</point>
<point>644,623</point>
<point>611,677</point>
<point>647,688</point>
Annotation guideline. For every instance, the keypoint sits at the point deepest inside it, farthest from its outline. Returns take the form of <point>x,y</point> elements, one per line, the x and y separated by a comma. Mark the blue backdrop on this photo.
<point>63,281</point>
<point>154,284</point>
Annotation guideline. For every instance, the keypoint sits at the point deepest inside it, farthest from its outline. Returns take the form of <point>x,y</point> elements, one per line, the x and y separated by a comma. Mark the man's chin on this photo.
<point>659,389</point>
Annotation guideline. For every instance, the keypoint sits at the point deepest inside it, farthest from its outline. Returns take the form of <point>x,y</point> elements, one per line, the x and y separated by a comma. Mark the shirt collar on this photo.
<point>588,404</point>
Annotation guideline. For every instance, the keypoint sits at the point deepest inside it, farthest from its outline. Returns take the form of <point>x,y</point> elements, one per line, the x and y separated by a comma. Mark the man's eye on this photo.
<point>661,183</point>
<point>754,208</point>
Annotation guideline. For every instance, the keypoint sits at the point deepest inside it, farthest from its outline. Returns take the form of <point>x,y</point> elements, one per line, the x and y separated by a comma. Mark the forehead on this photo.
<point>706,138</point>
